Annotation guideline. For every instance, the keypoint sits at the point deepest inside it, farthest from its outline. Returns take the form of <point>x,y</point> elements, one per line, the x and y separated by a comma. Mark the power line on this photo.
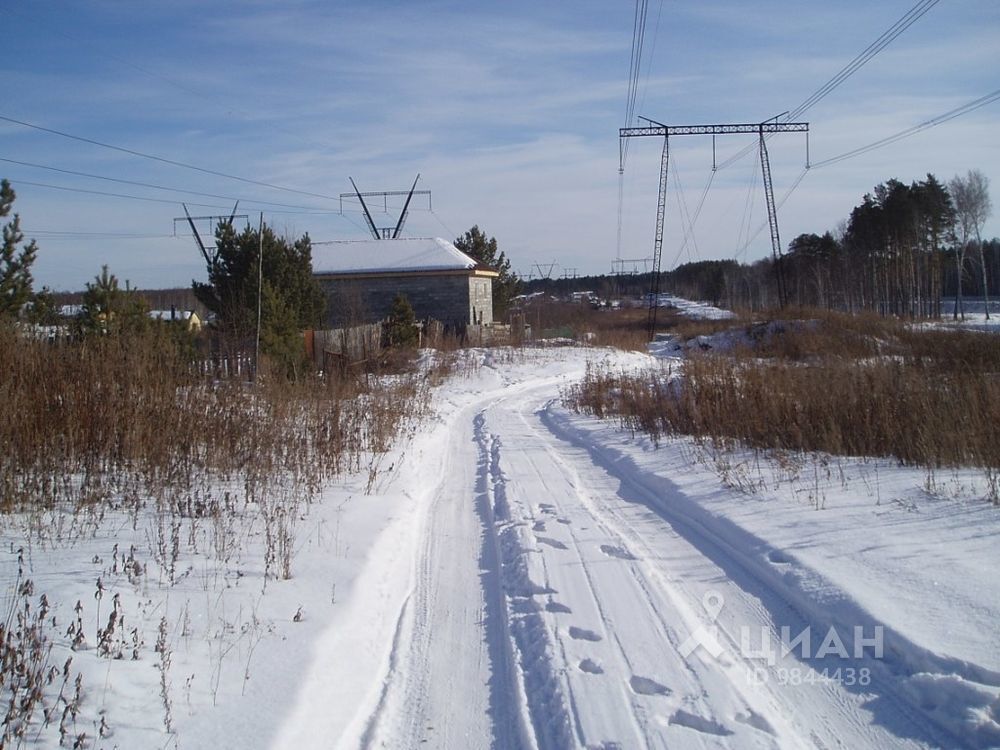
<point>652,53</point>
<point>126,196</point>
<point>763,225</point>
<point>163,160</point>
<point>446,227</point>
<point>907,20</point>
<point>153,186</point>
<point>635,63</point>
<point>689,235</point>
<point>883,41</point>
<point>635,70</point>
<point>950,115</point>
<point>14,180</point>
<point>747,211</point>
<point>693,221</point>
<point>56,236</point>
<point>212,97</point>
<point>638,34</point>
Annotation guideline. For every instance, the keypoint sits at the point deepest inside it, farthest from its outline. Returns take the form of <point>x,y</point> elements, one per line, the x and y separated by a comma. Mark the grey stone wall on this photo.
<point>480,300</point>
<point>449,299</point>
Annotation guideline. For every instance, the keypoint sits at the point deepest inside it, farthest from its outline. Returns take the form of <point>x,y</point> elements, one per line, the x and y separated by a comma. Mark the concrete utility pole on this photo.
<point>260,286</point>
<point>762,129</point>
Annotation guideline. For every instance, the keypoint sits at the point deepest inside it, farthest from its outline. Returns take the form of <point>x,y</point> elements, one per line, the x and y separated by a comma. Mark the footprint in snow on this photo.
<point>646,686</point>
<point>557,607</point>
<point>539,526</point>
<point>618,552</point>
<point>591,667</point>
<point>564,521</point>
<point>550,542</point>
<point>699,724</point>
<point>754,720</point>
<point>581,634</point>
<point>778,557</point>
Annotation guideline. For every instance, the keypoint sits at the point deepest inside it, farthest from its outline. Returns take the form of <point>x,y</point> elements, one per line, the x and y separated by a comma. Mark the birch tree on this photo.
<point>971,195</point>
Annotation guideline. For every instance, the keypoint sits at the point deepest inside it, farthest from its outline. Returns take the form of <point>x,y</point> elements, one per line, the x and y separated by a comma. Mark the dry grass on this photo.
<point>122,424</point>
<point>116,418</point>
<point>623,329</point>
<point>842,385</point>
<point>685,328</point>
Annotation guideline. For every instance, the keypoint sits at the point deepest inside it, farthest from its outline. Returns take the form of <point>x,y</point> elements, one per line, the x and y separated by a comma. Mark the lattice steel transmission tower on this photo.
<point>762,129</point>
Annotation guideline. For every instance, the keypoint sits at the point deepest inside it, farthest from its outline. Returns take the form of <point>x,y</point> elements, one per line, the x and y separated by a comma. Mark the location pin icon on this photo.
<point>713,603</point>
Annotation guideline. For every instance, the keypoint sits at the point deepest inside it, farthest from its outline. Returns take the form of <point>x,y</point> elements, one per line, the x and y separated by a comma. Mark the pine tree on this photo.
<point>400,327</point>
<point>475,244</point>
<point>15,264</point>
<point>109,309</point>
<point>291,298</point>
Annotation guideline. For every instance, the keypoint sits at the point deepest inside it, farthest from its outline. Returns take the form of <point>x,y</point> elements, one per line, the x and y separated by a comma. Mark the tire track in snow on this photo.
<point>543,716</point>
<point>825,718</point>
<point>452,681</point>
<point>659,597</point>
<point>546,461</point>
<point>508,701</point>
<point>819,722</point>
<point>437,693</point>
<point>763,592</point>
<point>584,634</point>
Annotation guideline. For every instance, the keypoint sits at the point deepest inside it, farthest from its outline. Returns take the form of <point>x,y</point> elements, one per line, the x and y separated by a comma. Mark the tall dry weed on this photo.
<point>121,417</point>
<point>843,386</point>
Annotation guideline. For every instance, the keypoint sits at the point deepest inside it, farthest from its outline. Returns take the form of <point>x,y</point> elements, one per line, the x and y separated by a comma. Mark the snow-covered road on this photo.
<point>539,589</point>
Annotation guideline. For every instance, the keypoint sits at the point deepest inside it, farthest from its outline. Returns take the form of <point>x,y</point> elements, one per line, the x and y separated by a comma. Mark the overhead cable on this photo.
<point>883,41</point>
<point>113,195</point>
<point>153,186</point>
<point>950,115</point>
<point>907,20</point>
<point>635,69</point>
<point>163,160</point>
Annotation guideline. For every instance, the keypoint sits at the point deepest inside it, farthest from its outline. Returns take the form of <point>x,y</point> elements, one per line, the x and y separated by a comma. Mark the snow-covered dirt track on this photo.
<point>543,587</point>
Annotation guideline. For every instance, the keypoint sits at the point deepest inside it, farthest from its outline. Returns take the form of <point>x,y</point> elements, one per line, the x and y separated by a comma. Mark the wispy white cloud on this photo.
<point>510,112</point>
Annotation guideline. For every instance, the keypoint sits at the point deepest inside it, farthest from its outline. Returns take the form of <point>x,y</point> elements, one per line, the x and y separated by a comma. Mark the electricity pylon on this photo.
<point>211,256</point>
<point>762,129</point>
<point>385,233</point>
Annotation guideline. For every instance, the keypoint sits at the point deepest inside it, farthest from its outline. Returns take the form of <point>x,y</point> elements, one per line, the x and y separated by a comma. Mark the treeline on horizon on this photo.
<point>902,251</point>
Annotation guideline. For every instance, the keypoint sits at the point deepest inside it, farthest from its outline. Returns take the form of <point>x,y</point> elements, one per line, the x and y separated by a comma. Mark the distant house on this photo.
<point>189,318</point>
<point>361,279</point>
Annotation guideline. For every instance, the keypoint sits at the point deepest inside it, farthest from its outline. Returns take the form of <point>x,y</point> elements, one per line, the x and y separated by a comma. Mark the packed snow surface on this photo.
<point>520,576</point>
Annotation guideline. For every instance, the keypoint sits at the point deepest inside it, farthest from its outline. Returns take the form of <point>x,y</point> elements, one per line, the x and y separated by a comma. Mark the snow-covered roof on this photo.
<point>171,314</point>
<point>389,256</point>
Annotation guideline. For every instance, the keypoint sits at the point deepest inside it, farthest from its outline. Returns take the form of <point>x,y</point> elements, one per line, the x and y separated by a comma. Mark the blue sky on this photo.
<point>509,111</point>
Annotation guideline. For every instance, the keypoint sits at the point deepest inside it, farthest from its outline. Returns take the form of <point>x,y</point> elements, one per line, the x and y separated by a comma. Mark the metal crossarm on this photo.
<point>385,233</point>
<point>733,129</point>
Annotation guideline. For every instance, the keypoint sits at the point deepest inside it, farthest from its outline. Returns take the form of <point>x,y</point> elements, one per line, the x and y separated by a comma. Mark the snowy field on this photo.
<point>519,576</point>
